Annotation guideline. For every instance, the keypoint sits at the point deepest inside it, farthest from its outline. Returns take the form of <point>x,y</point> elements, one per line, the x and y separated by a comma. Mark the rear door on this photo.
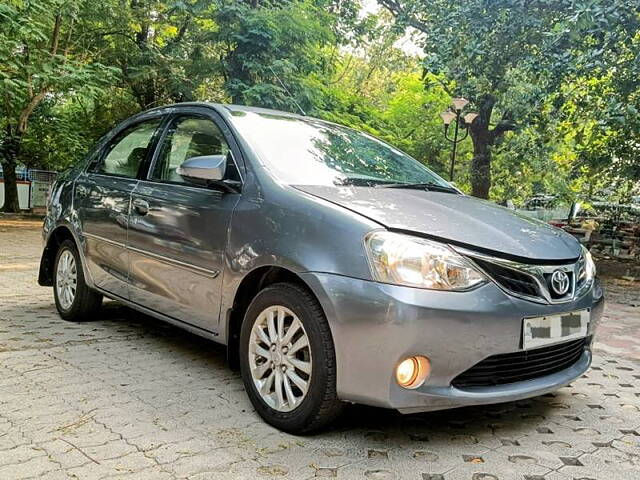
<point>177,230</point>
<point>102,198</point>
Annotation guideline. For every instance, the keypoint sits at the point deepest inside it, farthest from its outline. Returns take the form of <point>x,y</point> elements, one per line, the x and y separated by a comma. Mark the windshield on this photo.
<point>306,151</point>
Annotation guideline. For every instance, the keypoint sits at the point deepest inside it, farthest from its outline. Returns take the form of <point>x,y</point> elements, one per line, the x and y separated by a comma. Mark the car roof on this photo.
<point>225,107</point>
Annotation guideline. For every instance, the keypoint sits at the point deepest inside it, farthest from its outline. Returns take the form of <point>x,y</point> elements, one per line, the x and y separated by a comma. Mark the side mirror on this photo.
<point>204,169</point>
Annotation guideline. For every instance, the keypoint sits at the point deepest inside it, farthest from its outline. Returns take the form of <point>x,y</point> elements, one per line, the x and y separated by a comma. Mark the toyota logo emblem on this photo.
<point>560,282</point>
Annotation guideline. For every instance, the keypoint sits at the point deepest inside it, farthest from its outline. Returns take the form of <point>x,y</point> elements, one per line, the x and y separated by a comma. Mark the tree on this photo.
<point>373,85</point>
<point>266,42</point>
<point>164,49</point>
<point>600,117</point>
<point>555,81</point>
<point>183,50</point>
<point>509,56</point>
<point>37,62</point>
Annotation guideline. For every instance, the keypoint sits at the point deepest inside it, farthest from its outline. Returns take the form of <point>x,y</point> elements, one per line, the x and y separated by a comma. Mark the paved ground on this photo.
<point>128,397</point>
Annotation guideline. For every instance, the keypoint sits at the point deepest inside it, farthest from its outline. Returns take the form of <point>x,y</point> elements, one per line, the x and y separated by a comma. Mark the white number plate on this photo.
<point>541,331</point>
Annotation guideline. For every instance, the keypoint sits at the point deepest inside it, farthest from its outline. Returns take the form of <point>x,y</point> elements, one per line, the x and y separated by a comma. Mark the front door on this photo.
<point>178,231</point>
<point>102,197</point>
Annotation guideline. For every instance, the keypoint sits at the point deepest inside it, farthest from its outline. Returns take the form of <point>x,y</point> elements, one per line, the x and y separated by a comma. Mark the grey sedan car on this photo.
<point>334,267</point>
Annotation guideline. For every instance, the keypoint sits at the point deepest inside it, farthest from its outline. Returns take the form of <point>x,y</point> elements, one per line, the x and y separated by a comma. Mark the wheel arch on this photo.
<point>47,261</point>
<point>255,281</point>
<point>57,236</point>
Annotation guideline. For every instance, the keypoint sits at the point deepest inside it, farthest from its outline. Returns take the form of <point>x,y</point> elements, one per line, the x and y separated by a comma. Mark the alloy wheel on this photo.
<point>280,358</point>
<point>66,279</point>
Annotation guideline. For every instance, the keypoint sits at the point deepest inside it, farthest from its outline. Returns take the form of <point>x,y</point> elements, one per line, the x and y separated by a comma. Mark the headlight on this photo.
<point>417,262</point>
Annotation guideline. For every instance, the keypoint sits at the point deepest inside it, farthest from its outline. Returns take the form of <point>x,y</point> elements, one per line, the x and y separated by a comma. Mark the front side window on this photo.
<point>125,154</point>
<point>306,151</point>
<point>186,138</point>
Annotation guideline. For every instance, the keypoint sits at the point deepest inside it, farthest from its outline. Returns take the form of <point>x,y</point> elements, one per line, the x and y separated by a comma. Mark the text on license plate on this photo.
<point>540,331</point>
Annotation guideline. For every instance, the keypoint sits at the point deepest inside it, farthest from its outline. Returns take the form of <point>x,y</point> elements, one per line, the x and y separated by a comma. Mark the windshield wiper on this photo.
<point>420,186</point>
<point>362,182</point>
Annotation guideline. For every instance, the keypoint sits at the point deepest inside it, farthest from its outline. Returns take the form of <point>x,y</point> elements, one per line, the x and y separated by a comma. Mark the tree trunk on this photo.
<point>236,75</point>
<point>481,170</point>
<point>482,139</point>
<point>9,155</point>
<point>237,98</point>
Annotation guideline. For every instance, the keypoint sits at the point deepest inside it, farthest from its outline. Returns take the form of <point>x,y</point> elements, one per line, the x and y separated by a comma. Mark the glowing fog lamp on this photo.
<point>413,371</point>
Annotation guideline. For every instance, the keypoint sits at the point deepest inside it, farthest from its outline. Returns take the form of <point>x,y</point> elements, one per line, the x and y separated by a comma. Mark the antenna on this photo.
<point>288,92</point>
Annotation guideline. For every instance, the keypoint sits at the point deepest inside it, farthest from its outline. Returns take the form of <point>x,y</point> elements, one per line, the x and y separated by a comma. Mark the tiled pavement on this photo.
<point>128,397</point>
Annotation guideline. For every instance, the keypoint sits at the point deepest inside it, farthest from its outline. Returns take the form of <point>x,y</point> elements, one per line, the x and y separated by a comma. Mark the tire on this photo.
<point>319,405</point>
<point>84,303</point>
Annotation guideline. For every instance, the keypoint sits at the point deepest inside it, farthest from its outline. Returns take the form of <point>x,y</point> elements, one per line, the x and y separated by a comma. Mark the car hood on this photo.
<point>459,219</point>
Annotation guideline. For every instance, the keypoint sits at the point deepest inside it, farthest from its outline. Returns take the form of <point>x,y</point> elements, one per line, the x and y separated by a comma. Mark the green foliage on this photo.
<point>514,59</point>
<point>269,39</point>
<point>62,131</point>
<point>37,61</point>
<point>555,81</point>
<point>39,64</point>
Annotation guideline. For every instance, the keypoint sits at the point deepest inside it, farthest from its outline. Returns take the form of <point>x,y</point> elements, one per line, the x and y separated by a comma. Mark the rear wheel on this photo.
<point>75,301</point>
<point>288,361</point>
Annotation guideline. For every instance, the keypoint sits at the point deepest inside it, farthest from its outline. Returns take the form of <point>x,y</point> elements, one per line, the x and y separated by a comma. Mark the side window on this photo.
<point>191,137</point>
<point>126,152</point>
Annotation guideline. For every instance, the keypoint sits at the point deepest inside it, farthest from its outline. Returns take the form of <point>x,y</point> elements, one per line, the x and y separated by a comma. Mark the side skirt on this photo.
<point>165,318</point>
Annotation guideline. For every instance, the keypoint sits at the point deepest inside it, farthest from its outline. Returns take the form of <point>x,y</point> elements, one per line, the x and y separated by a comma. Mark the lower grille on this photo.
<point>519,366</point>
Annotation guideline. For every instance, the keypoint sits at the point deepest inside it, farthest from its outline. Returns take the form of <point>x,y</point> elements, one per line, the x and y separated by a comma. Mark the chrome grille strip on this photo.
<point>539,276</point>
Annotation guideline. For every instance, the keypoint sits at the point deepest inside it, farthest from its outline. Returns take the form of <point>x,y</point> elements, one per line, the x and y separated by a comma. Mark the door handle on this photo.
<point>141,206</point>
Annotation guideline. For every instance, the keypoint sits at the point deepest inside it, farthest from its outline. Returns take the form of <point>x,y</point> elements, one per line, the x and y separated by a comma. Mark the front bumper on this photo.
<point>376,325</point>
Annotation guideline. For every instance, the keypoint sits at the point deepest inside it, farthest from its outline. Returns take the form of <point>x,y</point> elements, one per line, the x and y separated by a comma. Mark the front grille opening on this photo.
<point>524,365</point>
<point>509,279</point>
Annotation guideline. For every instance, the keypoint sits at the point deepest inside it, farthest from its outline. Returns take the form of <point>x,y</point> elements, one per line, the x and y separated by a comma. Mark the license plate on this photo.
<point>541,331</point>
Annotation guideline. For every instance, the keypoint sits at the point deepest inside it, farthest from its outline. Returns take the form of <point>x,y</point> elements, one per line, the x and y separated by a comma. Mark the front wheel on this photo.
<point>75,301</point>
<point>287,359</point>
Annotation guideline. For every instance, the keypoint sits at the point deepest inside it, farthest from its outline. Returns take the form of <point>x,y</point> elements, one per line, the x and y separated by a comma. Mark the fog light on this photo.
<point>413,371</point>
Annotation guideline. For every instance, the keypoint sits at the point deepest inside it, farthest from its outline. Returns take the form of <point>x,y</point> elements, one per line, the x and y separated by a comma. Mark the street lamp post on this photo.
<point>453,114</point>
